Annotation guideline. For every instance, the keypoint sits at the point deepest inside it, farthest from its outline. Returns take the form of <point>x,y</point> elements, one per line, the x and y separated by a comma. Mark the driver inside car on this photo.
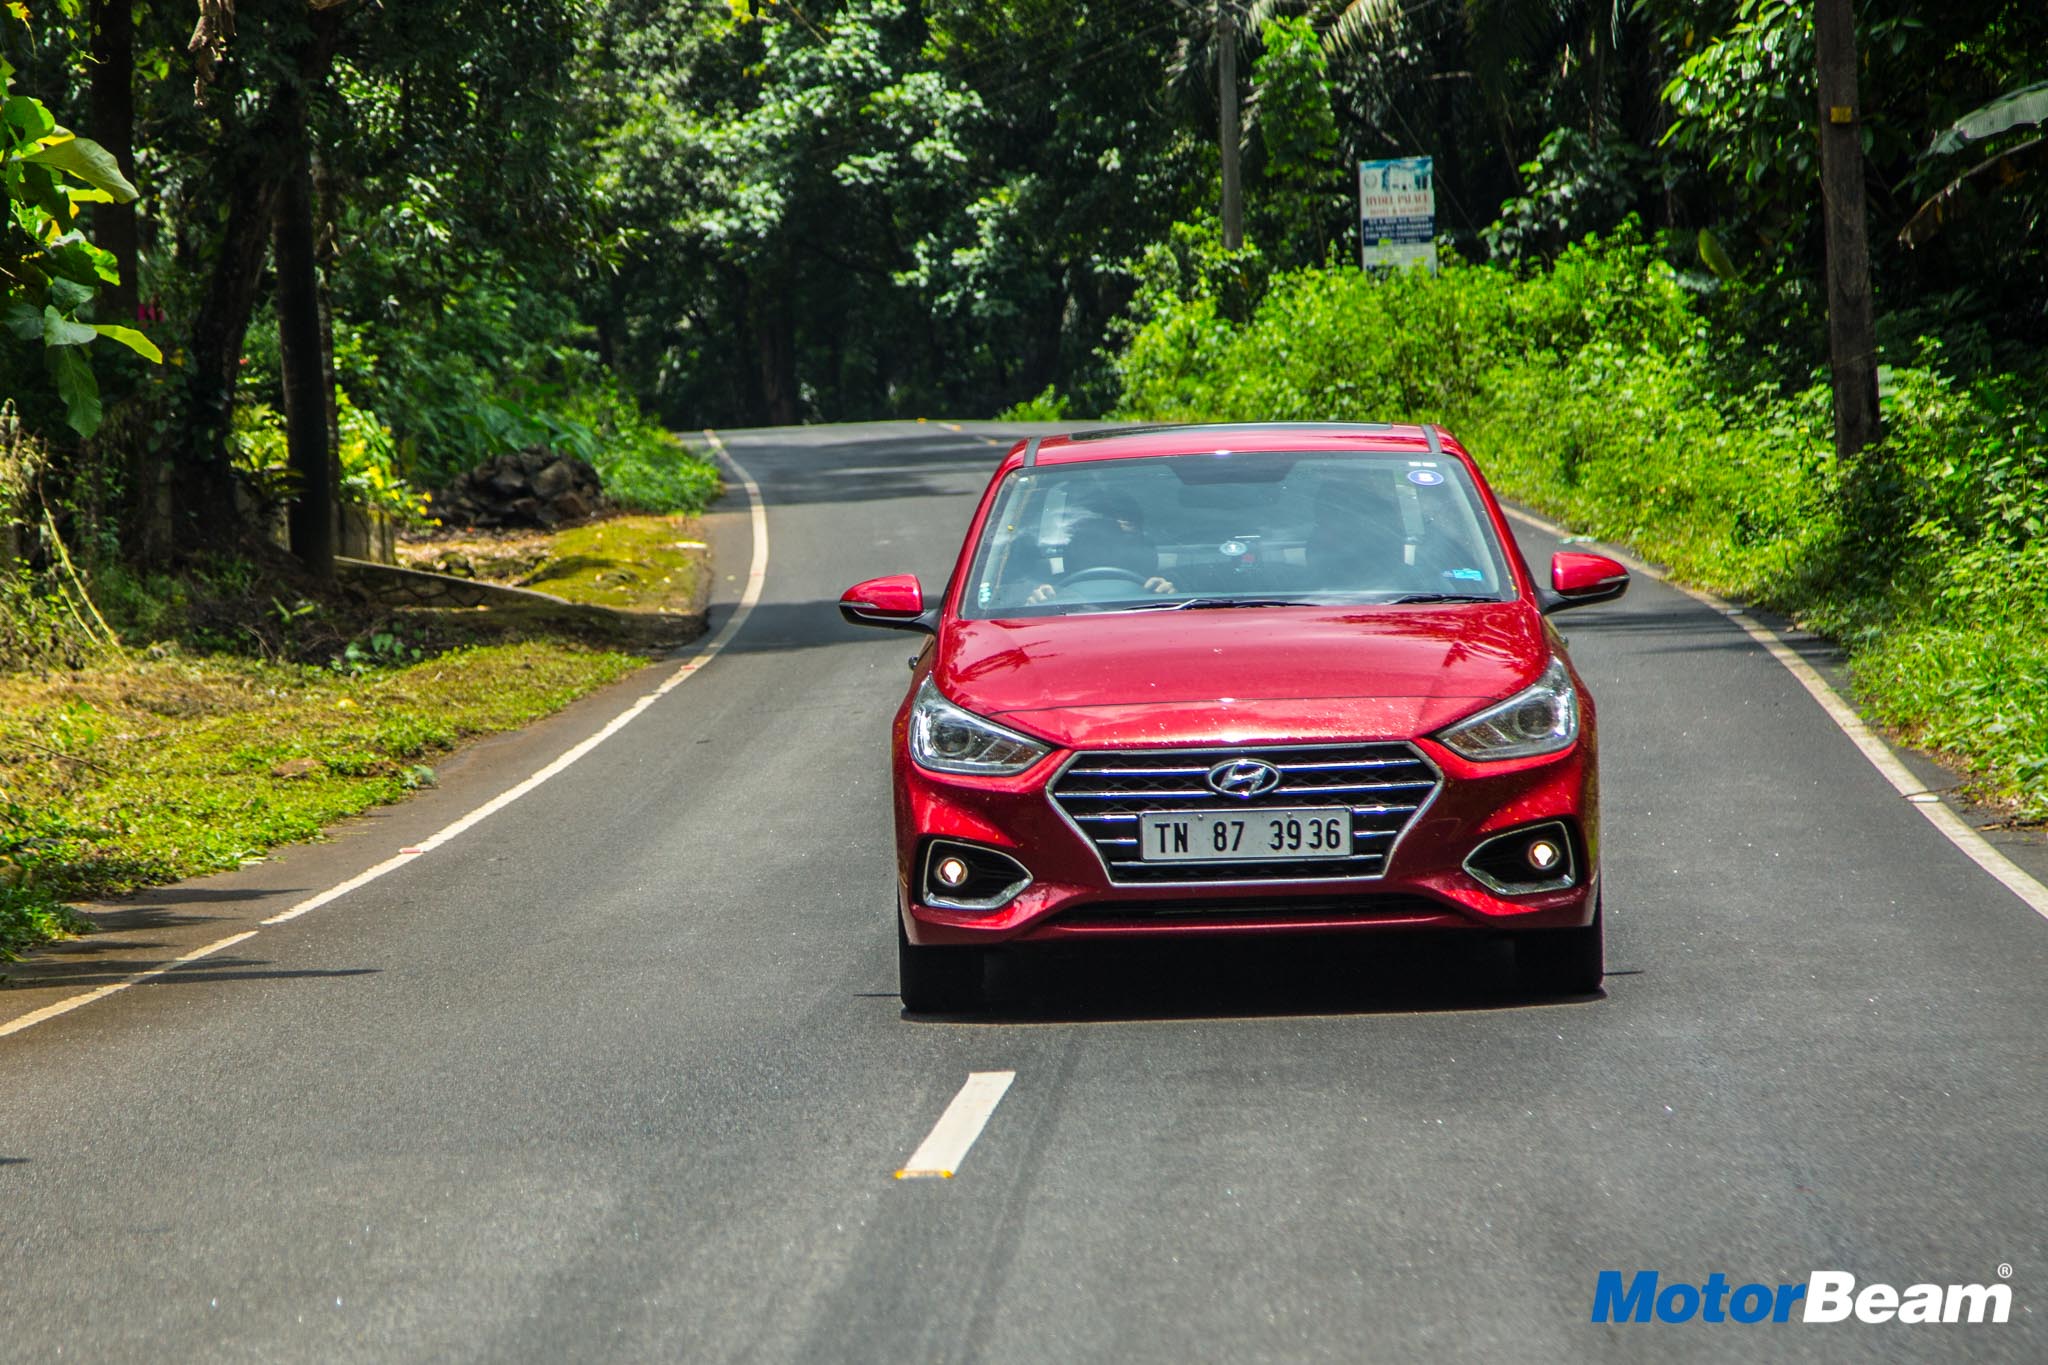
<point>1107,540</point>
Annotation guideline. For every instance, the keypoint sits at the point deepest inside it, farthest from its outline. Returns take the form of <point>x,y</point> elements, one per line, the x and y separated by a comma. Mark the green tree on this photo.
<point>50,272</point>
<point>1305,202</point>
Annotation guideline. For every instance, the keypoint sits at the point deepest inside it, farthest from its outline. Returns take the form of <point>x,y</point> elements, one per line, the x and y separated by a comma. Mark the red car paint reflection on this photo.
<point>1241,680</point>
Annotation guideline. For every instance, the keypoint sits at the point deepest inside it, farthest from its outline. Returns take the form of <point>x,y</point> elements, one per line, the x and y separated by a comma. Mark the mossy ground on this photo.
<point>634,562</point>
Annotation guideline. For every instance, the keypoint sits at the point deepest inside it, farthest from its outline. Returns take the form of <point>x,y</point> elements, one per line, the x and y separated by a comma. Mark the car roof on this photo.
<point>1136,442</point>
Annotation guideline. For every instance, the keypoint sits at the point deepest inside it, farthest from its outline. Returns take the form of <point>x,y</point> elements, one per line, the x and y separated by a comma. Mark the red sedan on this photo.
<point>1215,680</point>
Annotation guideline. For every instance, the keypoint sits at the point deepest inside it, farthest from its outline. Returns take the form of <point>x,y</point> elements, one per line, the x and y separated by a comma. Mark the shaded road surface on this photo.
<point>620,1074</point>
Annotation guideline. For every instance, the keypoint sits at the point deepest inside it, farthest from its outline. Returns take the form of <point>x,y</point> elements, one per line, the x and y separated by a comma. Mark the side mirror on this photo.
<point>894,603</point>
<point>1579,580</point>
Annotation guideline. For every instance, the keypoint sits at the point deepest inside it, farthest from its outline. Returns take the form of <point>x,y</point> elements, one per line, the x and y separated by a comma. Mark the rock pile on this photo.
<point>524,488</point>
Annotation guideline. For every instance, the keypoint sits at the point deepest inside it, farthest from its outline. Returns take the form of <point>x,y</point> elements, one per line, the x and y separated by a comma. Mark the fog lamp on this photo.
<point>950,872</point>
<point>1534,858</point>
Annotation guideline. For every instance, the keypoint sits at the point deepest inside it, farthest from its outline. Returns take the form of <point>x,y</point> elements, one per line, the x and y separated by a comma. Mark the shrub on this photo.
<point>1049,406</point>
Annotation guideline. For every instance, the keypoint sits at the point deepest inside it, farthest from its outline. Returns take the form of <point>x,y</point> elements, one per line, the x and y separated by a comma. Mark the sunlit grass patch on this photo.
<point>643,562</point>
<point>163,767</point>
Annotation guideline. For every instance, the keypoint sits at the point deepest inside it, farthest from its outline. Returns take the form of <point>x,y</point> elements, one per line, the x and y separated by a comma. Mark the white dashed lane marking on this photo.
<point>945,1147</point>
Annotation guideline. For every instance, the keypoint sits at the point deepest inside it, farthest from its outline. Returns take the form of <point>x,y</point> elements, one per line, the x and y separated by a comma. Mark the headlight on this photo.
<point>947,739</point>
<point>1543,718</point>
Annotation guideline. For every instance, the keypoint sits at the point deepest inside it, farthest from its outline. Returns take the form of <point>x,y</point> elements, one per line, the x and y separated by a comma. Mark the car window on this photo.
<point>1242,527</point>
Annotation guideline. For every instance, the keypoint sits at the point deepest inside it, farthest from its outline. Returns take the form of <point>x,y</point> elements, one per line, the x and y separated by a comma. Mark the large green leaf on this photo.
<point>1716,256</point>
<point>1986,178</point>
<point>2025,106</point>
<point>71,257</point>
<point>132,339</point>
<point>77,387</point>
<point>40,185</point>
<point>87,160</point>
<point>69,295</point>
<point>25,320</point>
<point>27,115</point>
<point>59,330</point>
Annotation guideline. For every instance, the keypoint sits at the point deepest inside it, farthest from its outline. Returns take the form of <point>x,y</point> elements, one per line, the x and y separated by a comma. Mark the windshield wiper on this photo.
<point>1209,603</point>
<point>1438,597</point>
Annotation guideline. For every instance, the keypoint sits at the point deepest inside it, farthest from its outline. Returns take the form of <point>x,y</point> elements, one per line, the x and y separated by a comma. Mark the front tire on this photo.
<point>937,980</point>
<point>1563,961</point>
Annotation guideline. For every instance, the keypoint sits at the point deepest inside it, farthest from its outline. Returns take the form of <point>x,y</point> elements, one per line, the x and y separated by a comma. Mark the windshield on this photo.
<point>1190,532</point>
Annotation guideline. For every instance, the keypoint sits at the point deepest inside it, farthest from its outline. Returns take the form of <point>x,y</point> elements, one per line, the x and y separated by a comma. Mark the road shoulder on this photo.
<point>152,929</point>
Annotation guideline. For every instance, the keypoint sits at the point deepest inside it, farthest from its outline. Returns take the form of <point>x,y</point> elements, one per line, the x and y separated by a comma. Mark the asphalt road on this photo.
<point>620,1073</point>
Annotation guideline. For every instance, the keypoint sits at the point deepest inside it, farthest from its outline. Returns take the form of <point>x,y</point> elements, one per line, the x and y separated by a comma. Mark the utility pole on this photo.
<point>1226,89</point>
<point>1852,339</point>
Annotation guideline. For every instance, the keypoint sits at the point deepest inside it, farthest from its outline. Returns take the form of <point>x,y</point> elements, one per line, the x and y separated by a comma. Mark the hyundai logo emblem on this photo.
<point>1243,778</point>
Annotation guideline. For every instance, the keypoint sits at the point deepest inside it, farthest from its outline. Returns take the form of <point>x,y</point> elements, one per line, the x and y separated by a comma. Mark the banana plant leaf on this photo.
<point>2025,106</point>
<point>1986,178</point>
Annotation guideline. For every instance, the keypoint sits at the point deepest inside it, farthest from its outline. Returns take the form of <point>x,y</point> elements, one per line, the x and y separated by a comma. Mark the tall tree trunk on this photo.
<point>308,388</point>
<point>1448,167</point>
<point>1229,139</point>
<point>744,383</point>
<point>252,169</point>
<point>325,196</point>
<point>1852,337</point>
<point>775,341</point>
<point>205,495</point>
<point>110,120</point>
<point>1643,113</point>
<point>110,115</point>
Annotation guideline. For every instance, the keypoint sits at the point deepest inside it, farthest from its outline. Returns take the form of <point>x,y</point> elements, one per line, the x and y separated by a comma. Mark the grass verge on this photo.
<point>155,768</point>
<point>265,709</point>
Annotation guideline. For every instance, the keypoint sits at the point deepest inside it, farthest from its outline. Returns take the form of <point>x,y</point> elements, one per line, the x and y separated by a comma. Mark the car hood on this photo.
<point>1239,674</point>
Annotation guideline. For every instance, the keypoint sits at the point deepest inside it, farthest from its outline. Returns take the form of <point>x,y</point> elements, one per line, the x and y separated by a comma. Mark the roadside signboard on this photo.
<point>1397,213</point>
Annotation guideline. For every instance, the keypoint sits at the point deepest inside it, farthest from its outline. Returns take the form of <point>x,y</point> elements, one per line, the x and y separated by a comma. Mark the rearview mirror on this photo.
<point>1579,580</point>
<point>895,602</point>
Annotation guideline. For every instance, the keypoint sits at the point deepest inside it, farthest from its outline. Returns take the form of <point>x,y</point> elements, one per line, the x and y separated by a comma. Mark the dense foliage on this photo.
<point>533,221</point>
<point>1601,389</point>
<point>572,223</point>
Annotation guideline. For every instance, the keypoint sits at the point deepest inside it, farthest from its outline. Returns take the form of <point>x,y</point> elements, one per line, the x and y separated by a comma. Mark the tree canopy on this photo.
<point>555,221</point>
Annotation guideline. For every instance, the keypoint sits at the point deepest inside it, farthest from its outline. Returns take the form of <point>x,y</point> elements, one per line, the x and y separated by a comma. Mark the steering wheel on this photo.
<point>1102,573</point>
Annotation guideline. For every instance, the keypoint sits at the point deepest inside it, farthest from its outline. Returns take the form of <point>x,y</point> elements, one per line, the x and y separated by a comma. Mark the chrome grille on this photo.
<point>1104,793</point>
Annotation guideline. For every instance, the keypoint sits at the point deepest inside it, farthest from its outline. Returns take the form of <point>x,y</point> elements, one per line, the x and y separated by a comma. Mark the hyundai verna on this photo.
<point>1217,680</point>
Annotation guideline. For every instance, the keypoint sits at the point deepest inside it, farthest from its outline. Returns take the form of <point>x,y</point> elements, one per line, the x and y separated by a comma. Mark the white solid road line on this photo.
<point>942,1151</point>
<point>1973,845</point>
<point>757,577</point>
<point>72,1002</point>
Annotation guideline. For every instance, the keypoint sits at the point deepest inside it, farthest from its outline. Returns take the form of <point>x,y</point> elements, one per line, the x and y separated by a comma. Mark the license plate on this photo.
<point>1274,834</point>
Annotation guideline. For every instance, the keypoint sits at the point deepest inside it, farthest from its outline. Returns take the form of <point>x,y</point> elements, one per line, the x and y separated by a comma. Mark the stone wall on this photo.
<point>365,534</point>
<point>403,587</point>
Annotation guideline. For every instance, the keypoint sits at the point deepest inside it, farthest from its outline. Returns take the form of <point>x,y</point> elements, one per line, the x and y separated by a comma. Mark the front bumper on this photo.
<point>1425,884</point>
